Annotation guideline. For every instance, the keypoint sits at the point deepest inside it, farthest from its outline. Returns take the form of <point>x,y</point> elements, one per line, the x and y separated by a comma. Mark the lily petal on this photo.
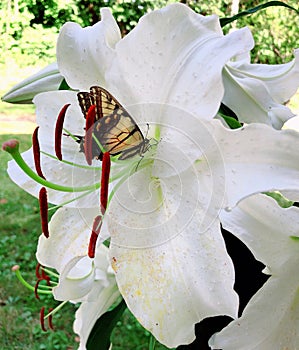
<point>193,79</point>
<point>261,216</point>
<point>79,50</point>
<point>76,280</point>
<point>166,269</point>
<point>89,312</point>
<point>48,106</point>
<point>256,158</point>
<point>267,230</point>
<point>263,89</point>
<point>70,230</point>
<point>270,320</point>
<point>62,174</point>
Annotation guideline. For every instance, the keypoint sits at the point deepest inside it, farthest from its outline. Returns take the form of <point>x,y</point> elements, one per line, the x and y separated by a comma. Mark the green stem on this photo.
<point>61,305</point>
<point>27,170</point>
<point>29,286</point>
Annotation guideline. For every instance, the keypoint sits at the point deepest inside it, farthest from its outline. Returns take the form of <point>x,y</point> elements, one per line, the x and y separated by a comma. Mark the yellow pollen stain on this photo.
<point>114,264</point>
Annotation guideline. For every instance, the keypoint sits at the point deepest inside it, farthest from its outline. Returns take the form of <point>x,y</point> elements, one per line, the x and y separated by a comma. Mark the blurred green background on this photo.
<point>28,35</point>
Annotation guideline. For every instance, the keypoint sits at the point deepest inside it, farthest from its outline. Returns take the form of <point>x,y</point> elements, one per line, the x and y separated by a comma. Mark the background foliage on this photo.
<point>29,27</point>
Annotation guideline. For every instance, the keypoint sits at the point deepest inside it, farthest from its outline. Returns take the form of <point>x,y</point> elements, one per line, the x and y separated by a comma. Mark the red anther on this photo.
<point>37,271</point>
<point>36,288</point>
<point>43,205</point>
<point>58,130</point>
<point>50,320</point>
<point>42,319</point>
<point>89,126</point>
<point>106,164</point>
<point>46,278</point>
<point>36,153</point>
<point>96,228</point>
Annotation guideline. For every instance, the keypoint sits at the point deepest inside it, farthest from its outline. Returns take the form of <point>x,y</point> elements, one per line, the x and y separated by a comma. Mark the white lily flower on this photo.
<point>166,248</point>
<point>81,279</point>
<point>47,79</point>
<point>270,320</point>
<point>263,89</point>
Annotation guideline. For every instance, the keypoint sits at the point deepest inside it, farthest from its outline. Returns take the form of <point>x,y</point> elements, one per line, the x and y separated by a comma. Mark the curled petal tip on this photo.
<point>10,145</point>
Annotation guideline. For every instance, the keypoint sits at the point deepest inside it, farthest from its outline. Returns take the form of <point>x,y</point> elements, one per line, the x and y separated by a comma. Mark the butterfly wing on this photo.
<point>118,133</point>
<point>104,102</point>
<point>115,129</point>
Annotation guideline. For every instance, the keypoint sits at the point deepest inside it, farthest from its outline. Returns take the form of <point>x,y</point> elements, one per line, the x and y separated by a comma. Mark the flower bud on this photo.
<point>47,79</point>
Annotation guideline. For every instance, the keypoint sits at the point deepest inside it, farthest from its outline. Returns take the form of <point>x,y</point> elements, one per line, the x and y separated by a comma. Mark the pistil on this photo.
<point>12,147</point>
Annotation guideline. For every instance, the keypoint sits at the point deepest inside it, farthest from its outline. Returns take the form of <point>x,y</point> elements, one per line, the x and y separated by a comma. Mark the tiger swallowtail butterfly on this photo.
<point>114,128</point>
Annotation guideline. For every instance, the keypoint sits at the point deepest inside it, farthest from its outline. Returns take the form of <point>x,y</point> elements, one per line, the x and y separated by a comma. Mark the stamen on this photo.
<point>45,277</point>
<point>96,228</point>
<point>58,131</point>
<point>43,205</point>
<point>36,153</point>
<point>50,319</point>
<point>37,271</point>
<point>36,288</point>
<point>16,269</point>
<point>97,223</point>
<point>106,164</point>
<point>42,319</point>
<point>12,147</point>
<point>89,126</point>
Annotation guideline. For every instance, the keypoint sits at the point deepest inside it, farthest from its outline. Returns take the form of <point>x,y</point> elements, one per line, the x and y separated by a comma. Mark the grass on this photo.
<point>19,309</point>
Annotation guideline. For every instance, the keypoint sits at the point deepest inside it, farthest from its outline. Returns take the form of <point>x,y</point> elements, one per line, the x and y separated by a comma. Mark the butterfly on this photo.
<point>114,128</point>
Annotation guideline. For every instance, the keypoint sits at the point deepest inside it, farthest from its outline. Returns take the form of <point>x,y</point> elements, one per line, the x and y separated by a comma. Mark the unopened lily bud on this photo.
<point>47,79</point>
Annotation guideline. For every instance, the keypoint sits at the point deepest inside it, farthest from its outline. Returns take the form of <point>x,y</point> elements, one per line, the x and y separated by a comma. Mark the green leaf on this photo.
<point>232,122</point>
<point>64,85</point>
<point>280,199</point>
<point>229,116</point>
<point>99,337</point>
<point>227,20</point>
<point>295,238</point>
<point>152,343</point>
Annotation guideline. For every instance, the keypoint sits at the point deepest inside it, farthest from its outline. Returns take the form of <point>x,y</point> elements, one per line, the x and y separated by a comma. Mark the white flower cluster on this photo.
<point>167,257</point>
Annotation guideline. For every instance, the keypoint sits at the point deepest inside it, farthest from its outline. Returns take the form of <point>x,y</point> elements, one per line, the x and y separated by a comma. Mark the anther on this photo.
<point>36,153</point>
<point>96,228</point>
<point>42,319</point>
<point>37,271</point>
<point>43,205</point>
<point>58,131</point>
<point>36,288</point>
<point>89,126</point>
<point>106,164</point>
<point>50,320</point>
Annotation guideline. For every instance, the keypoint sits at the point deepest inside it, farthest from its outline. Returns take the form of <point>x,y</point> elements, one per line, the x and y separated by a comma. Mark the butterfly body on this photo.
<point>114,128</point>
